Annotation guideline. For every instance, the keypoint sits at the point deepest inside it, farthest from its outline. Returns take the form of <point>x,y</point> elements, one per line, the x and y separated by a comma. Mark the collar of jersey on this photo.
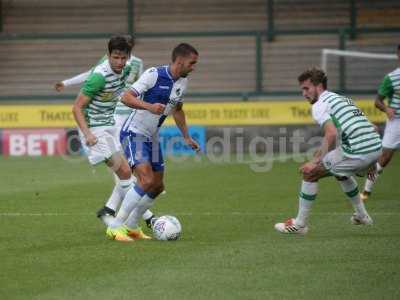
<point>323,95</point>
<point>167,70</point>
<point>109,68</point>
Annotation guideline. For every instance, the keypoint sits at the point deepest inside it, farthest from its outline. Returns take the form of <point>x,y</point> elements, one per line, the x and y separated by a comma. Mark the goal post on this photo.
<point>348,53</point>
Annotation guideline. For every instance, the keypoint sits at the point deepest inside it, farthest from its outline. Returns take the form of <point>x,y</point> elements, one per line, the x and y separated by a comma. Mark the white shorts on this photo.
<point>107,144</point>
<point>338,164</point>
<point>120,120</point>
<point>391,137</point>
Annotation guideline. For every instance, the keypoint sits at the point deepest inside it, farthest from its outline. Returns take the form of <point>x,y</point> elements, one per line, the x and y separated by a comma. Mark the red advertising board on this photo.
<point>34,142</point>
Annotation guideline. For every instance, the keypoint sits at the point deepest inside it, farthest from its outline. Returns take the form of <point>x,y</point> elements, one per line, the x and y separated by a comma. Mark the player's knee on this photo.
<point>120,167</point>
<point>309,177</point>
<point>159,188</point>
<point>148,182</point>
<point>124,172</point>
<point>127,173</point>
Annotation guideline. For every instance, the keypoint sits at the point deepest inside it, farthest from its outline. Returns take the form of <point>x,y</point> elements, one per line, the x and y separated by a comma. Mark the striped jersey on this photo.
<point>390,88</point>
<point>135,69</point>
<point>357,134</point>
<point>104,88</point>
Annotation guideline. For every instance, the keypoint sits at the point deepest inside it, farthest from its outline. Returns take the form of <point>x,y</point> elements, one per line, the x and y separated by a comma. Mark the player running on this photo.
<point>94,113</point>
<point>389,88</point>
<point>162,89</point>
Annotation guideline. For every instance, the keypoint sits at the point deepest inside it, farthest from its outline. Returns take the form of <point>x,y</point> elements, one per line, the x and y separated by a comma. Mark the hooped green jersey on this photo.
<point>104,88</point>
<point>135,66</point>
<point>390,88</point>
<point>357,134</point>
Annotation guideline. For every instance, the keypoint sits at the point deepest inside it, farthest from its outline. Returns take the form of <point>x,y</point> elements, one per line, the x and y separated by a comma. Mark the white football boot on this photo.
<point>290,227</point>
<point>358,220</point>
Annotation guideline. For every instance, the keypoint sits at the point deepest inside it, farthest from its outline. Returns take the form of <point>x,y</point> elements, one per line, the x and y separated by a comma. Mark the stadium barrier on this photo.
<point>259,69</point>
<point>205,114</point>
<point>224,128</point>
<point>60,141</point>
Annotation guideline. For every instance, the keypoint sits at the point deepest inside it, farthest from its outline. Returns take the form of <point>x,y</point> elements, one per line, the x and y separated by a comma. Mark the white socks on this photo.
<point>307,196</point>
<point>144,204</point>
<point>147,215</point>
<point>309,192</point>
<point>349,187</point>
<point>120,189</point>
<point>131,199</point>
<point>118,194</point>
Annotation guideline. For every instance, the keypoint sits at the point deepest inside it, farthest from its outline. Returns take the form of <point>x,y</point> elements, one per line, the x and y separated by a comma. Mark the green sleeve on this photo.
<point>386,87</point>
<point>127,70</point>
<point>94,84</point>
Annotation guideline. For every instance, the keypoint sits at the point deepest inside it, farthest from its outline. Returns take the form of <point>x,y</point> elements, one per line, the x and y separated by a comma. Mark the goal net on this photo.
<point>362,70</point>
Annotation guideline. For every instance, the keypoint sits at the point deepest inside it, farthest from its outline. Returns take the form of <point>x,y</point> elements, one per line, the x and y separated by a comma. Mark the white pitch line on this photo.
<point>210,214</point>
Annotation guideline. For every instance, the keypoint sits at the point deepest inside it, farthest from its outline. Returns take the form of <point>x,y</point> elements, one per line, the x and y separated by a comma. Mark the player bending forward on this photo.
<point>359,150</point>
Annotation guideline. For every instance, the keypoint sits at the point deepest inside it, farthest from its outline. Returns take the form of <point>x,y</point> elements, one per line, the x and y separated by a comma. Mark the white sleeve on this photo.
<point>145,82</point>
<point>78,79</point>
<point>141,68</point>
<point>184,89</point>
<point>320,112</point>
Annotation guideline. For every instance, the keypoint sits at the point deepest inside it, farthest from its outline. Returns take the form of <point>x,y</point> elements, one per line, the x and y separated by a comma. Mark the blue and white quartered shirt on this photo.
<point>156,85</point>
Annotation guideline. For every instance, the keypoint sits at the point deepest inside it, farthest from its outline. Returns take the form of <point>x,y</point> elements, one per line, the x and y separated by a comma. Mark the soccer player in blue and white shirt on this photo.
<point>157,94</point>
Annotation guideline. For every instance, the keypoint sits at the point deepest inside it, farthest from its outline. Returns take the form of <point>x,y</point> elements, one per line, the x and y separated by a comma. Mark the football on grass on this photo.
<point>167,228</point>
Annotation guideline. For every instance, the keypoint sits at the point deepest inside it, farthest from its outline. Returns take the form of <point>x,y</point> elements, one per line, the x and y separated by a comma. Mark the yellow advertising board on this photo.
<point>36,116</point>
<point>205,113</point>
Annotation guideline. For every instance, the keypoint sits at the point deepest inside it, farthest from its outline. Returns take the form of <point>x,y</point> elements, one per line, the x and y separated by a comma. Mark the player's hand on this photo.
<point>59,86</point>
<point>91,139</point>
<point>157,108</point>
<point>192,143</point>
<point>372,173</point>
<point>390,112</point>
<point>376,128</point>
<point>307,168</point>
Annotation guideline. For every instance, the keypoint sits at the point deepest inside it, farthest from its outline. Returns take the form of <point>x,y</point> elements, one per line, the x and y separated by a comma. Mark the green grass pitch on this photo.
<point>53,247</point>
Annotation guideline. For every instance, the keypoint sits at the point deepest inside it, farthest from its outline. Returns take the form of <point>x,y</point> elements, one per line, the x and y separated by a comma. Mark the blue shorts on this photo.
<point>141,149</point>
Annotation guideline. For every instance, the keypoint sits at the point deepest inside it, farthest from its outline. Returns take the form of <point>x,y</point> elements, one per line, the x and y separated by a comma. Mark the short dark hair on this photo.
<point>398,47</point>
<point>118,42</point>
<point>130,39</point>
<point>183,50</point>
<point>315,75</point>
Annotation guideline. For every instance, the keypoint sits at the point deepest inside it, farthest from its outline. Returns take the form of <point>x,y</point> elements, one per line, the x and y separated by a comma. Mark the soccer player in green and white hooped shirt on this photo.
<point>359,150</point>
<point>136,69</point>
<point>94,113</point>
<point>389,88</point>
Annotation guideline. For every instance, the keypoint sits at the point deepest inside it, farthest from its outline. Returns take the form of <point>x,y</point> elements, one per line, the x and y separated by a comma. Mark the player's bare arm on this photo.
<point>77,109</point>
<point>129,99</point>
<point>328,144</point>
<point>180,121</point>
<point>380,104</point>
